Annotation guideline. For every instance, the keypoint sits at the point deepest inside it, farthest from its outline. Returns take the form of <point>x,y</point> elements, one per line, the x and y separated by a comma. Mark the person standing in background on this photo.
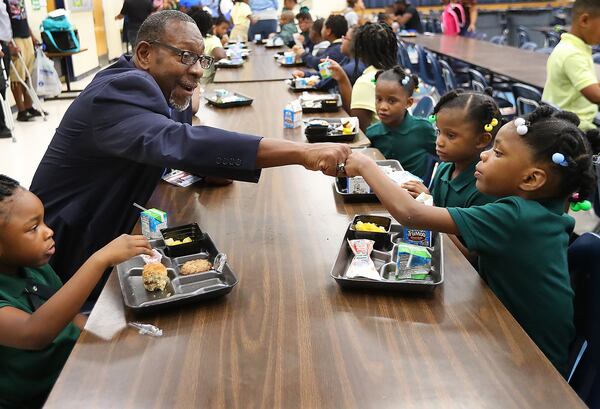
<point>264,18</point>
<point>470,8</point>
<point>136,12</point>
<point>5,39</point>
<point>407,16</point>
<point>24,43</point>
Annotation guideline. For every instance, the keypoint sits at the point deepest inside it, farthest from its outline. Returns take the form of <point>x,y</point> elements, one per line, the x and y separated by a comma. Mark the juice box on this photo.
<point>152,221</point>
<point>325,70</point>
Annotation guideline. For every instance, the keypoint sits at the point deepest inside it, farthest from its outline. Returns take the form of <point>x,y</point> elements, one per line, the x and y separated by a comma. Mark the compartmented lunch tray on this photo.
<point>341,185</point>
<point>384,258</point>
<point>181,289</point>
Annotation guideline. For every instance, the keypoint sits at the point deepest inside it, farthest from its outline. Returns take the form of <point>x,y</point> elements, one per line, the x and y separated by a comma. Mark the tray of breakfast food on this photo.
<point>274,43</point>
<point>231,44</point>
<point>331,130</point>
<point>244,53</point>
<point>304,83</point>
<point>227,63</point>
<point>378,254</point>
<point>222,98</point>
<point>186,268</point>
<point>356,189</point>
<point>315,103</point>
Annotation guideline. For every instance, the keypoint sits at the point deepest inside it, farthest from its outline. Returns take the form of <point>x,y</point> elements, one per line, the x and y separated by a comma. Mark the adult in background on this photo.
<point>264,18</point>
<point>24,43</point>
<point>136,12</point>
<point>5,39</point>
<point>116,138</point>
<point>407,16</point>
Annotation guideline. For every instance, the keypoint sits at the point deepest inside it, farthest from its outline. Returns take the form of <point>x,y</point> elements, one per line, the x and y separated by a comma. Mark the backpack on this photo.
<point>58,33</point>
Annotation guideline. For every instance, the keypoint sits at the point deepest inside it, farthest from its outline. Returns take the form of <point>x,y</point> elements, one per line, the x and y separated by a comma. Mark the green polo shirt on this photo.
<point>457,192</point>
<point>522,246</point>
<point>27,376</point>
<point>409,142</point>
<point>570,69</point>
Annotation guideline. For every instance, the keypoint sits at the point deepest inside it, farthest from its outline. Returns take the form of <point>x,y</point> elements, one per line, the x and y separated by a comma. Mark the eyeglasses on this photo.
<point>188,57</point>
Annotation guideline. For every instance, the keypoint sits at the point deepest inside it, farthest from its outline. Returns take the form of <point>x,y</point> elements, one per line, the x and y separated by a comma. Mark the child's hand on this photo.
<point>298,50</point>
<point>337,72</point>
<point>123,248</point>
<point>298,74</point>
<point>355,164</point>
<point>415,188</point>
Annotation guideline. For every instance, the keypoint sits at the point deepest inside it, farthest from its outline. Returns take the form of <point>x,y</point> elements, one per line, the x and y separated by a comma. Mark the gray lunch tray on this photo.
<point>385,263</point>
<point>341,185</point>
<point>182,289</point>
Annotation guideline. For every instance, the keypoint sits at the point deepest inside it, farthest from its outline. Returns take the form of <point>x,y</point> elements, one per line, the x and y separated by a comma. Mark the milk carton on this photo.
<point>292,115</point>
<point>152,221</point>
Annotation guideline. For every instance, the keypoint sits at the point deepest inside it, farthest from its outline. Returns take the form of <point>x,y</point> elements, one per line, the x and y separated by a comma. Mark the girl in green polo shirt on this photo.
<point>398,134</point>
<point>39,317</point>
<point>467,122</point>
<point>534,166</point>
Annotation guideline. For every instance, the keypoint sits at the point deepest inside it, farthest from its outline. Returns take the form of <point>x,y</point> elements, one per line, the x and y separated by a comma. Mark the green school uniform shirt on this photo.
<point>570,69</point>
<point>522,246</point>
<point>26,377</point>
<point>457,192</point>
<point>409,143</point>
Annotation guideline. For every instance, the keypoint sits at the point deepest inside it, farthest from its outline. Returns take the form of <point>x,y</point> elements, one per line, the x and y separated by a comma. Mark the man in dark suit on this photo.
<point>116,138</point>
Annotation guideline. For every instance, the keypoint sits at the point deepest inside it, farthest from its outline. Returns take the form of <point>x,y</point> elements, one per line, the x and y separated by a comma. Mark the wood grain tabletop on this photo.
<point>522,66</point>
<point>287,336</point>
<point>265,116</point>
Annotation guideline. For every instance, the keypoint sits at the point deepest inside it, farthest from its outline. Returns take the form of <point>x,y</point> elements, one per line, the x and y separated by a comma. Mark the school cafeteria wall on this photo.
<point>88,60</point>
<point>325,8</point>
<point>113,28</point>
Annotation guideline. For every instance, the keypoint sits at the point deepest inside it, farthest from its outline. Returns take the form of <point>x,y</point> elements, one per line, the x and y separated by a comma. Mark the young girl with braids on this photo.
<point>534,166</point>
<point>398,134</point>
<point>467,122</point>
<point>376,46</point>
<point>39,316</point>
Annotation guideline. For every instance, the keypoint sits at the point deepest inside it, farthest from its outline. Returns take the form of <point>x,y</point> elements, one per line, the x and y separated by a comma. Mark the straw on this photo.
<point>143,209</point>
<point>432,175</point>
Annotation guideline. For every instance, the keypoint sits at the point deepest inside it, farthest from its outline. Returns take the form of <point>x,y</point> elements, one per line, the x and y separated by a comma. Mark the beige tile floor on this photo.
<point>19,160</point>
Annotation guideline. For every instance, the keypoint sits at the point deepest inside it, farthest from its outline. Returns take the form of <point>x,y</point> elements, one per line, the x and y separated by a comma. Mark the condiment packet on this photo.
<point>156,257</point>
<point>362,265</point>
<point>146,329</point>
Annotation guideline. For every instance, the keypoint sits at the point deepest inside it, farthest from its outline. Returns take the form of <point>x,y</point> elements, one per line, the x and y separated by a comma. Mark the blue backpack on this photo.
<point>60,26</point>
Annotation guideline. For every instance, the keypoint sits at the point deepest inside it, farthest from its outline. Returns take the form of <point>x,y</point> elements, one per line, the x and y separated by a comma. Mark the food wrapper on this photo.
<point>362,265</point>
<point>156,257</point>
<point>420,237</point>
<point>413,262</point>
<point>147,329</point>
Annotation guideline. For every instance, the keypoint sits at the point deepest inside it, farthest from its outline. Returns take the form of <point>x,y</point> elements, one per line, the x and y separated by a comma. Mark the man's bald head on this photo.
<point>154,27</point>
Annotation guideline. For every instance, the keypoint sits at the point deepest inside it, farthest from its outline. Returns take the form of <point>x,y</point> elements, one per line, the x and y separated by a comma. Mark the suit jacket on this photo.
<point>110,150</point>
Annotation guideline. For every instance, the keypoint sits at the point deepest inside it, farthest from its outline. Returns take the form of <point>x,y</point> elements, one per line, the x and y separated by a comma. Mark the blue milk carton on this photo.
<point>292,115</point>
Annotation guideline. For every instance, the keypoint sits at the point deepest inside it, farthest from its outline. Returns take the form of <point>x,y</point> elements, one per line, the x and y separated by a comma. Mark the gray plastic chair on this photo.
<point>527,98</point>
<point>529,46</point>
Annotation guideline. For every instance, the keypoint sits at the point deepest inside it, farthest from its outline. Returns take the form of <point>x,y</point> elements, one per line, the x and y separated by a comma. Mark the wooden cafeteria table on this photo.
<point>287,336</point>
<point>260,66</point>
<point>522,66</point>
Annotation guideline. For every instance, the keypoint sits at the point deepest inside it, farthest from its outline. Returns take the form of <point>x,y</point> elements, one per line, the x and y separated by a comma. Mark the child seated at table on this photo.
<point>535,165</point>
<point>334,28</point>
<point>241,16</point>
<point>319,45</point>
<point>212,44</point>
<point>352,67</point>
<point>398,134</point>
<point>376,46</point>
<point>467,123</point>
<point>221,28</point>
<point>305,23</point>
<point>288,28</point>
<point>571,82</point>
<point>39,316</point>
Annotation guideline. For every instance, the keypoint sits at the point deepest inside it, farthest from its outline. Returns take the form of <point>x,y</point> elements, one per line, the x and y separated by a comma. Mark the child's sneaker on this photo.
<point>24,116</point>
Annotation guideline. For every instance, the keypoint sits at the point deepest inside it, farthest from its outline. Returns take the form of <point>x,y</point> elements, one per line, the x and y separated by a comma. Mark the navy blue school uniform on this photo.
<point>110,150</point>
<point>334,52</point>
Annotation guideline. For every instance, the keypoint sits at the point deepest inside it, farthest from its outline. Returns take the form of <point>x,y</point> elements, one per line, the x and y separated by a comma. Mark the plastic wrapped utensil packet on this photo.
<point>362,265</point>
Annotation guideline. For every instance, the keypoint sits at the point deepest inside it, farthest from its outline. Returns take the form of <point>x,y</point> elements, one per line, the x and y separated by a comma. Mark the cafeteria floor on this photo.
<point>19,160</point>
